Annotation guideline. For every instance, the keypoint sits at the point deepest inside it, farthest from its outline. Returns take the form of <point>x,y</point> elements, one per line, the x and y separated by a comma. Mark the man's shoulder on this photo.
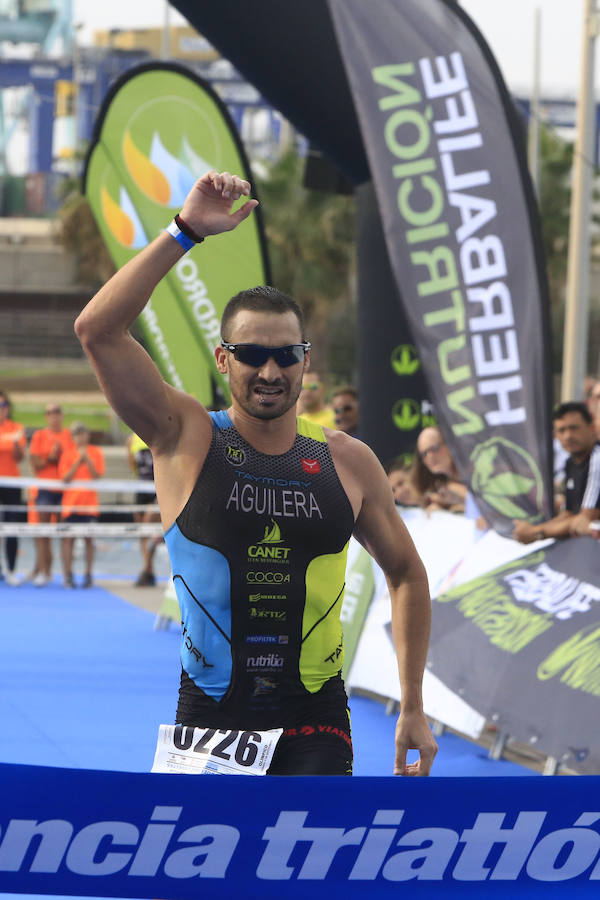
<point>349,450</point>
<point>593,458</point>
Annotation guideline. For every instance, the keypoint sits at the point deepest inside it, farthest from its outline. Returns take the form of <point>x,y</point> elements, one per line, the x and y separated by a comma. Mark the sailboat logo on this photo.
<point>272,534</point>
<point>267,549</point>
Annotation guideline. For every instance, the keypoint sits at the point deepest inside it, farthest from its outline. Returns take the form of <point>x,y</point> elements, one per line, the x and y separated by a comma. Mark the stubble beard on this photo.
<point>266,410</point>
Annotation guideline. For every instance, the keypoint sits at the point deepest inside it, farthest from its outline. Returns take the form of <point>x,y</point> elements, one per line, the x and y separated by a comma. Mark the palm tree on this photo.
<point>310,238</point>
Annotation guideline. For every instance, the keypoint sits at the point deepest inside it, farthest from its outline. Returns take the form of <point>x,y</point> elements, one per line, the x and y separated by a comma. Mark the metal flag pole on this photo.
<point>577,299</point>
<point>533,143</point>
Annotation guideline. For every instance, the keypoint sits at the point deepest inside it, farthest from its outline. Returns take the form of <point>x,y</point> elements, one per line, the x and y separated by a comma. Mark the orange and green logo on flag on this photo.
<point>160,129</point>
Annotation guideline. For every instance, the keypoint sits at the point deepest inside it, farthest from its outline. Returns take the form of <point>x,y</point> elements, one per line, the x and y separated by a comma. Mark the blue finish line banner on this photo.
<point>71,831</point>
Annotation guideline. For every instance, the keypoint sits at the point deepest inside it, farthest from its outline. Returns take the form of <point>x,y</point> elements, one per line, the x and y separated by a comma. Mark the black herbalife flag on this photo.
<point>446,156</point>
<point>395,403</point>
<point>521,644</point>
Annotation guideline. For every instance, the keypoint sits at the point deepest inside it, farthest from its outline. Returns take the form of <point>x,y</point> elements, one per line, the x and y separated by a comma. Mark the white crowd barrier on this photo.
<point>453,551</point>
<point>97,484</point>
<point>79,529</point>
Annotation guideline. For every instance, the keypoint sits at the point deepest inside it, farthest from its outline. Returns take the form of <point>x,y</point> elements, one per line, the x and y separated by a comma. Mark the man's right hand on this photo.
<point>207,207</point>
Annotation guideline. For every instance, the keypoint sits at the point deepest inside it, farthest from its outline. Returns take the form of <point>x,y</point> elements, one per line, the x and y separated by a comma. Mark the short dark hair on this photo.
<point>572,406</point>
<point>346,389</point>
<point>263,298</point>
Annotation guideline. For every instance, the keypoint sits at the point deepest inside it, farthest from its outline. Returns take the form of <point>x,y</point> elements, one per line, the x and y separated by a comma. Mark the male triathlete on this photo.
<point>258,507</point>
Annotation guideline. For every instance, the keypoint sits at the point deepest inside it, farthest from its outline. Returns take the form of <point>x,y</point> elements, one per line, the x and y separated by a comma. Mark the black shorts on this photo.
<point>316,727</point>
<point>313,750</point>
<point>144,498</point>
<point>48,498</point>
<point>80,519</point>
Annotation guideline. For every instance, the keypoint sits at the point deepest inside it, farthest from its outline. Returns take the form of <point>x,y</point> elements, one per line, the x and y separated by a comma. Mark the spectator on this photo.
<point>345,409</point>
<point>435,475</point>
<point>399,473</point>
<point>45,450</point>
<point>79,462</point>
<point>574,428</point>
<point>142,465</point>
<point>12,450</point>
<point>589,382</point>
<point>593,404</point>
<point>311,403</point>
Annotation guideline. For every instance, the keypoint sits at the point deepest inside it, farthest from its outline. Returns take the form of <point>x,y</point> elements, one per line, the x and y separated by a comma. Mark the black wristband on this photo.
<point>185,229</point>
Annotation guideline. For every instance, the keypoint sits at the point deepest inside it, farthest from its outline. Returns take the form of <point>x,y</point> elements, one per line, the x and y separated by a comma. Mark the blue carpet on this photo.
<point>85,681</point>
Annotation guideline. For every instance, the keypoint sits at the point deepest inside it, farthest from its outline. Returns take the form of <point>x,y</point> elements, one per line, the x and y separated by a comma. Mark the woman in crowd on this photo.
<point>435,475</point>
<point>399,473</point>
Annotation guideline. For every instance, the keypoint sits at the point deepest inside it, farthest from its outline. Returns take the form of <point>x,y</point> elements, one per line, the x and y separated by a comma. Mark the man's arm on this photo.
<point>95,470</point>
<point>557,527</point>
<point>382,532</point>
<point>69,474</point>
<point>580,524</point>
<point>129,378</point>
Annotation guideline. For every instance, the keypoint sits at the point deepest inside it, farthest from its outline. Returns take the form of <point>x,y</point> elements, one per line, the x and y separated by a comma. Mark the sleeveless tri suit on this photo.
<point>258,556</point>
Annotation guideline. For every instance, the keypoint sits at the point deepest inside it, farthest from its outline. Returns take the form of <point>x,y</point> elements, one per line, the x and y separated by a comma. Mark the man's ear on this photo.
<point>306,364</point>
<point>221,360</point>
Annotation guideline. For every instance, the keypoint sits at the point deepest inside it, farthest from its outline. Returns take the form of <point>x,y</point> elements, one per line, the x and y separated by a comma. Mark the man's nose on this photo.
<point>270,371</point>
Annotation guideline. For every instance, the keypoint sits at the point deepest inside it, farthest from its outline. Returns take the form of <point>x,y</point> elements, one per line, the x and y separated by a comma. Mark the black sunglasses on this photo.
<point>338,410</point>
<point>256,355</point>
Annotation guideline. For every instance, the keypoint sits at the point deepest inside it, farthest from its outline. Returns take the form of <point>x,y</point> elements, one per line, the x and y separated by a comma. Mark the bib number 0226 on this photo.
<point>212,751</point>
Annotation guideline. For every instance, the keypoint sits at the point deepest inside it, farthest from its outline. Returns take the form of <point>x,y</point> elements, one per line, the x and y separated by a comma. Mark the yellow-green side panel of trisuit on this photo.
<point>310,430</point>
<point>322,652</point>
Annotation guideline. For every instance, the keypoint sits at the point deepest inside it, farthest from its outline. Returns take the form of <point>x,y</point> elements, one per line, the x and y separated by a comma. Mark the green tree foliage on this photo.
<point>556,162</point>
<point>311,245</point>
<point>82,238</point>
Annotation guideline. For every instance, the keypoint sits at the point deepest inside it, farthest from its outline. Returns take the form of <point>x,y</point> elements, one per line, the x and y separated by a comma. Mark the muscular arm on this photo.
<point>382,532</point>
<point>129,378</point>
<point>127,375</point>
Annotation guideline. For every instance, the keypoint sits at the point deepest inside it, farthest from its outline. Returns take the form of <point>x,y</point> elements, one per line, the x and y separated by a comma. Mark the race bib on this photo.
<point>208,751</point>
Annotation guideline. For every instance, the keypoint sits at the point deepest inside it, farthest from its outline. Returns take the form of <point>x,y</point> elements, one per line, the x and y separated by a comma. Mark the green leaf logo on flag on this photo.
<point>406,414</point>
<point>404,359</point>
<point>504,473</point>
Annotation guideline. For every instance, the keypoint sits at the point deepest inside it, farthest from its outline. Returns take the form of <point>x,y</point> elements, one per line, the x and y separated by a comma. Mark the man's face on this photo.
<point>312,392</point>
<point>575,434</point>
<point>434,452</point>
<point>54,416</point>
<point>269,391</point>
<point>345,410</point>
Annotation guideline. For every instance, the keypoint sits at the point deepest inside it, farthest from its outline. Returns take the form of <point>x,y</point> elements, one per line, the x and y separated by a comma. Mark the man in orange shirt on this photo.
<point>12,449</point>
<point>45,451</point>
<point>79,462</point>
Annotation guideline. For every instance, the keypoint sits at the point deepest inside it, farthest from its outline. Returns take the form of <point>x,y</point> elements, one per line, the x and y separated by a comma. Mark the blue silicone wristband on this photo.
<point>179,236</point>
